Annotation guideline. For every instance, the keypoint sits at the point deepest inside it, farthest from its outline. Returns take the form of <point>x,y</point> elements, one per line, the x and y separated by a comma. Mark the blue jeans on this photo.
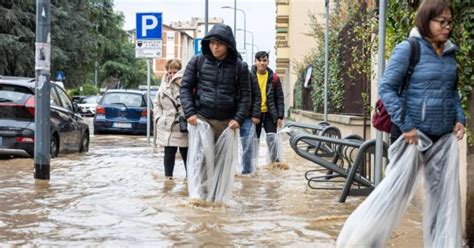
<point>246,146</point>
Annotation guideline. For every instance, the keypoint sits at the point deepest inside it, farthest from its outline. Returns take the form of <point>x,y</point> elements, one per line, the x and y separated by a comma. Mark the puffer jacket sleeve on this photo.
<point>256,110</point>
<point>188,84</point>
<point>459,111</point>
<point>279,99</point>
<point>393,77</point>
<point>243,106</point>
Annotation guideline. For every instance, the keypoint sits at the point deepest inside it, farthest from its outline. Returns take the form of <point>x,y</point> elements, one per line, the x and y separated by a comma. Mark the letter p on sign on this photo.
<point>149,26</point>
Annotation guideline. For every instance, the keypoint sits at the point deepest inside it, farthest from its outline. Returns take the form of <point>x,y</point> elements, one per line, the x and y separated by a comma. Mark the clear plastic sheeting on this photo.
<point>226,160</point>
<point>211,166</point>
<point>200,160</point>
<point>275,146</point>
<point>372,223</point>
<point>248,150</point>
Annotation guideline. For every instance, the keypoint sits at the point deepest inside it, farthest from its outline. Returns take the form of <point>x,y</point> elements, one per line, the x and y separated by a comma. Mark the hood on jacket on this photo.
<point>165,79</point>
<point>448,44</point>
<point>224,34</point>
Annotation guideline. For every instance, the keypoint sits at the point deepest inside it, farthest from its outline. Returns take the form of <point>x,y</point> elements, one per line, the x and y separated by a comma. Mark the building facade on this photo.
<point>196,26</point>
<point>292,43</point>
<point>176,45</point>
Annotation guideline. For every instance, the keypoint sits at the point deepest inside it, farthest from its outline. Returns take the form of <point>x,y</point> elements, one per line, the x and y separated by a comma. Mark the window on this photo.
<point>54,98</point>
<point>127,99</point>
<point>66,103</point>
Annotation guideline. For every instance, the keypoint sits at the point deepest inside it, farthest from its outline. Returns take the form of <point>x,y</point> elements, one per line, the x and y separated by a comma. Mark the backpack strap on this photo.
<point>199,64</point>
<point>414,59</point>
<point>274,80</point>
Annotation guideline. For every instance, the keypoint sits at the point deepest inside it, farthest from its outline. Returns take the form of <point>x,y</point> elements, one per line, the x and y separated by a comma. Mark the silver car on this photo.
<point>87,105</point>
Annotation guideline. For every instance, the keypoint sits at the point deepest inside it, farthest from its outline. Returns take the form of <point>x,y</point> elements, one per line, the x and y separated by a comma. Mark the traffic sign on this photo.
<point>60,76</point>
<point>149,48</point>
<point>197,46</point>
<point>149,33</point>
<point>149,26</point>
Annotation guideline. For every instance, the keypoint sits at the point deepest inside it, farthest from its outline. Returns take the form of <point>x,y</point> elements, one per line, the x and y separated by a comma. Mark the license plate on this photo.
<point>122,125</point>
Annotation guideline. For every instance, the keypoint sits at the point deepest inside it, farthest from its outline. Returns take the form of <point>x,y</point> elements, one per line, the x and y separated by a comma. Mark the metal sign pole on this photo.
<point>42,90</point>
<point>326,62</point>
<point>148,122</point>
<point>206,17</point>
<point>380,67</point>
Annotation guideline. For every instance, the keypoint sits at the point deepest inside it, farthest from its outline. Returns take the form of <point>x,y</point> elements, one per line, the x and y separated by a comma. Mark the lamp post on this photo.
<point>251,33</point>
<point>253,54</point>
<point>245,23</point>
<point>206,17</point>
<point>326,62</point>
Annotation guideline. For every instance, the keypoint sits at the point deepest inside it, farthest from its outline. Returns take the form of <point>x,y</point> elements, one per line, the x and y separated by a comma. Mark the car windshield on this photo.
<point>89,100</point>
<point>129,99</point>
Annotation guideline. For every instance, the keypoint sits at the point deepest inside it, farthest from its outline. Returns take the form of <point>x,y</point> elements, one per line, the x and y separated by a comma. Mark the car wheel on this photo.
<point>54,146</point>
<point>84,143</point>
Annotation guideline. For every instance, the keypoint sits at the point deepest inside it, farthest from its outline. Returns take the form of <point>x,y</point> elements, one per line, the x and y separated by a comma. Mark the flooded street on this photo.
<point>116,195</point>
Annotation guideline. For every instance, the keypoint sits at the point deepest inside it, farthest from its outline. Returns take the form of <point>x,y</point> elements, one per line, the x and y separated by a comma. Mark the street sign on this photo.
<point>149,26</point>
<point>149,35</point>
<point>60,76</point>
<point>149,49</point>
<point>197,46</point>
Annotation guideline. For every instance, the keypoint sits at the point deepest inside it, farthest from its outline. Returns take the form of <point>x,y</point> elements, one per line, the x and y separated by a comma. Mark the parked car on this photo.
<point>86,105</point>
<point>76,99</point>
<point>69,132</point>
<point>153,90</point>
<point>122,111</point>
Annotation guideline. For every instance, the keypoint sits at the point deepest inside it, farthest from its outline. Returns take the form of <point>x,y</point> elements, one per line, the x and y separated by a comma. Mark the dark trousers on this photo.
<point>395,133</point>
<point>170,157</point>
<point>268,124</point>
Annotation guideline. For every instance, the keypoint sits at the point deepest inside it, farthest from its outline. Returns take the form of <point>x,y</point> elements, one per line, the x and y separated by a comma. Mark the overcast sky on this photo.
<point>260,17</point>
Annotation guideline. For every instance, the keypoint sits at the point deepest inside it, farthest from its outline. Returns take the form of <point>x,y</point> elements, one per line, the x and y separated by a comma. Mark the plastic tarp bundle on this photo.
<point>200,161</point>
<point>275,146</point>
<point>248,150</point>
<point>372,223</point>
<point>211,166</point>
<point>227,159</point>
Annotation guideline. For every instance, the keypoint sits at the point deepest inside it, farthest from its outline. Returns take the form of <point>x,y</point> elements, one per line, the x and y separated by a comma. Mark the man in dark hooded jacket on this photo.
<point>216,88</point>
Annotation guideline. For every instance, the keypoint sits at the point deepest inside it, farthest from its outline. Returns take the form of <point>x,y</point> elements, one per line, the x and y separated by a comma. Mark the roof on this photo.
<point>20,81</point>
<point>24,81</point>
<point>126,91</point>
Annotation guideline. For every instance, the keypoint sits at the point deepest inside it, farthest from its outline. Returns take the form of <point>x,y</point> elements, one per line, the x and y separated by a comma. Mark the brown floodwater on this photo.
<point>116,195</point>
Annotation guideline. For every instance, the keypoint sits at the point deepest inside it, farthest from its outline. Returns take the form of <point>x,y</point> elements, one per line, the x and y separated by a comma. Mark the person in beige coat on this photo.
<point>167,111</point>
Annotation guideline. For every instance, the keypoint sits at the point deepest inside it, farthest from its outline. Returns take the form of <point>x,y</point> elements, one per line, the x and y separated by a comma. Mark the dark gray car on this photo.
<point>69,132</point>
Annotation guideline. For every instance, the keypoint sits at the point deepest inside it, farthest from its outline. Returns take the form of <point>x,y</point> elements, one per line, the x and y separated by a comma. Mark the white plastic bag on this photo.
<point>441,208</point>
<point>225,163</point>
<point>211,166</point>
<point>200,160</point>
<point>275,146</point>
<point>372,223</point>
<point>248,150</point>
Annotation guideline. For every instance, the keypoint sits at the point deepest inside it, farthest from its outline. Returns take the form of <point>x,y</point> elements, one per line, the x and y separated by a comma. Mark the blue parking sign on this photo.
<point>149,26</point>
<point>197,46</point>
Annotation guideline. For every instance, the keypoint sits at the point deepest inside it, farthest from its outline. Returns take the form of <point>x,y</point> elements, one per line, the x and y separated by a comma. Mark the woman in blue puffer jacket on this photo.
<point>433,104</point>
